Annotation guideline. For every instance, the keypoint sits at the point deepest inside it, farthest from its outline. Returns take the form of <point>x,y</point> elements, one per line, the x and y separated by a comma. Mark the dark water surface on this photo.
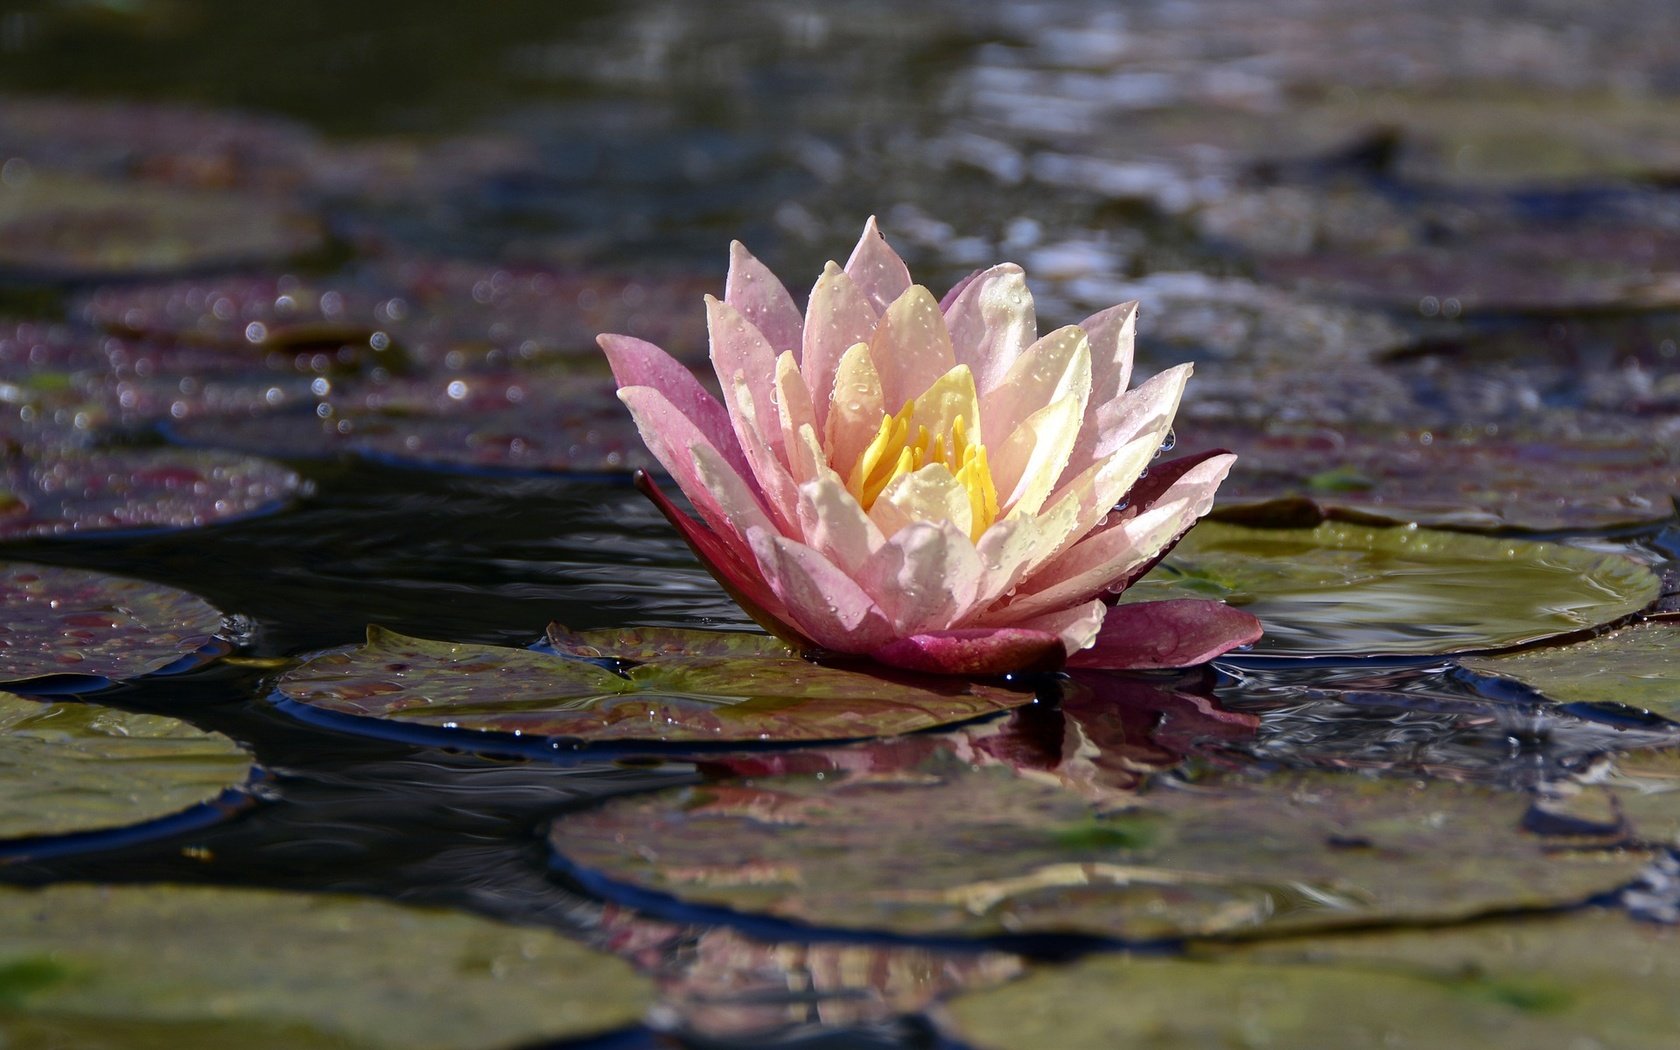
<point>1380,230</point>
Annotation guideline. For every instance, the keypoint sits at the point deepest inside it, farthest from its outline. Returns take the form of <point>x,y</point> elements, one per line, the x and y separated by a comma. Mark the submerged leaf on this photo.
<point>680,686</point>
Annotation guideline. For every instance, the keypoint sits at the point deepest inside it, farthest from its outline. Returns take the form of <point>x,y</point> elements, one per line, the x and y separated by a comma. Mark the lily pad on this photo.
<point>1638,666</point>
<point>1441,479</point>
<point>134,968</point>
<point>57,492</point>
<point>1586,979</point>
<point>952,849</point>
<point>96,627</point>
<point>73,767</point>
<point>60,226</point>
<point>1345,589</point>
<point>673,685</point>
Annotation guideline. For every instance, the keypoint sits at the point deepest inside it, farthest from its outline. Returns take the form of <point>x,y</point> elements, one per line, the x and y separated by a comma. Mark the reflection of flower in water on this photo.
<point>716,983</point>
<point>930,484</point>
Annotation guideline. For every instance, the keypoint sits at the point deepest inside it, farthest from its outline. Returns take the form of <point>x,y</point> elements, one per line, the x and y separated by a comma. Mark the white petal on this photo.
<point>837,318</point>
<point>1056,366</point>
<point>793,410</point>
<point>1032,458</point>
<point>832,521</point>
<point>854,416</point>
<point>924,578</point>
<point>929,494</point>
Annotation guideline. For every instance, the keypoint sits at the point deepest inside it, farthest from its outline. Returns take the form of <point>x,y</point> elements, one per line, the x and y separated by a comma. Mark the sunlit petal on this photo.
<point>762,299</point>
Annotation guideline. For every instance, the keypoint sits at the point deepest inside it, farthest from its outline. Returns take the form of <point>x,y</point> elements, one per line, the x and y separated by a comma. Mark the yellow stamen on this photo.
<point>892,454</point>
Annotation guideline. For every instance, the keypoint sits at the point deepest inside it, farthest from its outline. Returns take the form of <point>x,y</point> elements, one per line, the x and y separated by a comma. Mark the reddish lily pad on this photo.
<point>205,968</point>
<point>56,492</point>
<point>1590,978</point>
<point>1637,666</point>
<point>947,848</point>
<point>73,767</point>
<point>103,628</point>
<point>1347,589</point>
<point>1441,479</point>
<point>675,686</point>
<point>58,226</point>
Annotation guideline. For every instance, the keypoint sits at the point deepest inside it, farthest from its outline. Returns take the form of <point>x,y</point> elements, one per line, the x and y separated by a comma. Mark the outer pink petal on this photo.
<point>733,568</point>
<point>975,651</point>
<point>672,437</point>
<point>636,362</point>
<point>1183,632</point>
<point>911,347</point>
<point>1191,478</point>
<point>957,289</point>
<point>1083,577</point>
<point>924,578</point>
<point>992,322</point>
<point>1076,626</point>
<point>826,603</point>
<point>752,289</point>
<point>1152,405</point>
<point>1111,332</point>
<point>837,317</point>
<point>740,350</point>
<point>876,269</point>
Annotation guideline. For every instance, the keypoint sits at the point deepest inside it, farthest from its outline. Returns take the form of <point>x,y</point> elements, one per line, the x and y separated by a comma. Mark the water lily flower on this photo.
<point>929,483</point>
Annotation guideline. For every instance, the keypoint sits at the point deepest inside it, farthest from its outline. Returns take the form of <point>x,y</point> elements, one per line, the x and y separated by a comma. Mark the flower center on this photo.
<point>896,452</point>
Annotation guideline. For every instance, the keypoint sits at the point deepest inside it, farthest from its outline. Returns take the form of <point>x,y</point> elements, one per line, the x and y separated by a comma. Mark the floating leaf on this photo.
<point>72,622</point>
<point>60,226</point>
<point>1362,591</point>
<point>72,767</point>
<point>135,968</point>
<point>68,491</point>
<point>1445,480</point>
<point>680,686</point>
<point>1638,666</point>
<point>1585,979</point>
<point>947,848</point>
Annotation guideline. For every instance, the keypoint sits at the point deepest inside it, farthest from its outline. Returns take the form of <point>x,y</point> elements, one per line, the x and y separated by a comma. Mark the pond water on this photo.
<point>297,317</point>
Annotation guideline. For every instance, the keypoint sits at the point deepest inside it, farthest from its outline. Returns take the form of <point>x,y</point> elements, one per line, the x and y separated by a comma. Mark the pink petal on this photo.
<point>992,322</point>
<point>911,347</point>
<point>956,290</point>
<point>1076,626</point>
<point>1183,632</point>
<point>733,569</point>
<point>1087,569</point>
<point>832,521</point>
<point>752,289</point>
<point>1054,367</point>
<point>793,413</point>
<point>1193,478</point>
<point>672,438</point>
<point>876,269</point>
<point>837,318</point>
<point>1111,332</point>
<point>740,350</point>
<point>975,651</point>
<point>1149,407</point>
<point>636,362</point>
<point>825,602</point>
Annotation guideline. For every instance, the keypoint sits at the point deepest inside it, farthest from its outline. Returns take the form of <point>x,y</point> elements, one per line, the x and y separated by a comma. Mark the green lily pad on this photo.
<point>60,226</point>
<point>1638,666</point>
<point>1585,979</point>
<point>678,686</point>
<point>137,968</point>
<point>950,848</point>
<point>67,491</point>
<point>1440,479</point>
<point>72,767</point>
<point>61,621</point>
<point>1345,589</point>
